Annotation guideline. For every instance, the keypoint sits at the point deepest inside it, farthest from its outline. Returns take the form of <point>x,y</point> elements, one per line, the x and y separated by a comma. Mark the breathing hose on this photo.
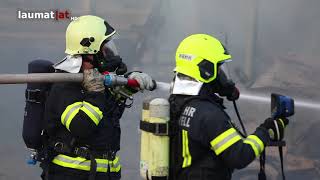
<point>244,132</point>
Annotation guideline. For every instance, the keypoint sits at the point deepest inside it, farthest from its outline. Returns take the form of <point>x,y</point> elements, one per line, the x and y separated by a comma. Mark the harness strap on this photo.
<point>159,129</point>
<point>63,148</point>
<point>37,96</point>
<point>281,161</point>
<point>93,167</point>
<point>262,173</point>
<point>108,162</point>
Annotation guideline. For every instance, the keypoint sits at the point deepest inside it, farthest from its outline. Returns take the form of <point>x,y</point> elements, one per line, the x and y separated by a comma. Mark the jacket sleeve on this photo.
<point>225,141</point>
<point>78,115</point>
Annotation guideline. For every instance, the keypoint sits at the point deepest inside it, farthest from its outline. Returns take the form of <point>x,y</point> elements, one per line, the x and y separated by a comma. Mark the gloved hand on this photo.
<point>144,80</point>
<point>93,81</point>
<point>275,127</point>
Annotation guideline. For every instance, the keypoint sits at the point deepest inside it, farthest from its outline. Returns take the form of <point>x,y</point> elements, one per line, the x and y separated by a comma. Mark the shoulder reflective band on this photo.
<point>93,112</point>
<point>255,143</point>
<point>185,150</point>
<point>224,140</point>
<point>84,164</point>
<point>70,112</point>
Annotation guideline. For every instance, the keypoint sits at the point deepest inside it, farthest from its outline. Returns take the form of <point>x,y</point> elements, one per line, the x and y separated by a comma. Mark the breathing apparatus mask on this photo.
<point>223,85</point>
<point>108,59</point>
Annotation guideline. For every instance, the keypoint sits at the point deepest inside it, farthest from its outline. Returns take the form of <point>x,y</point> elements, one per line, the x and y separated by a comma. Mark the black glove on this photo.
<point>275,127</point>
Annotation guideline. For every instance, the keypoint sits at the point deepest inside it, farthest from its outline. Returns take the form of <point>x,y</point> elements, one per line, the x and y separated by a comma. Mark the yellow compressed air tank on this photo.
<point>144,164</point>
<point>155,140</point>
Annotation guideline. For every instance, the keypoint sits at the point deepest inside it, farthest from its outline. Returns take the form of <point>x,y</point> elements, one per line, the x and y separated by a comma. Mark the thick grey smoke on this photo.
<point>274,45</point>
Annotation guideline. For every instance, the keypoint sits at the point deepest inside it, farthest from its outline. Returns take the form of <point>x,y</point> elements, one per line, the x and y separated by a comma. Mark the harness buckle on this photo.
<point>33,95</point>
<point>110,155</point>
<point>59,146</point>
<point>82,152</point>
<point>161,129</point>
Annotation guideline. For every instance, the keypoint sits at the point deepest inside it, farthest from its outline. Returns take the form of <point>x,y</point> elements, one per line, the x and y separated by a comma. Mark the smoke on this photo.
<point>275,48</point>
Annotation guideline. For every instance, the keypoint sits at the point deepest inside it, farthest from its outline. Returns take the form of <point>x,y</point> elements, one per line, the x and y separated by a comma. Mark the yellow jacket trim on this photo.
<point>282,123</point>
<point>185,150</point>
<point>255,143</point>
<point>84,164</point>
<point>70,112</point>
<point>93,112</point>
<point>115,165</point>
<point>225,140</point>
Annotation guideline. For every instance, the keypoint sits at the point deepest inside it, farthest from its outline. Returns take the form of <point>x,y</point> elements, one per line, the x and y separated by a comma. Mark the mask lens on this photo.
<point>109,60</point>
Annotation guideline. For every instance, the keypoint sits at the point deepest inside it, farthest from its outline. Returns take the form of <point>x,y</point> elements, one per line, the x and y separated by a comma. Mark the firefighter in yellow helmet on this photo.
<point>205,145</point>
<point>82,120</point>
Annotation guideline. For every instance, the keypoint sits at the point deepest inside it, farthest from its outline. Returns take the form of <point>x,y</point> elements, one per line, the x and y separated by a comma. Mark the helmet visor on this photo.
<point>225,68</point>
<point>109,49</point>
<point>108,59</point>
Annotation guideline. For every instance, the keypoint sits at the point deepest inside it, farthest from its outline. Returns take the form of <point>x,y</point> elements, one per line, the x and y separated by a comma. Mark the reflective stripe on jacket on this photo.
<point>231,136</point>
<point>207,145</point>
<point>84,164</point>
<point>90,110</point>
<point>75,117</point>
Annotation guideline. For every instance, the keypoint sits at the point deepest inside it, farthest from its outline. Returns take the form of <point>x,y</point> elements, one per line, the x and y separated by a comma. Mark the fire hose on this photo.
<point>109,79</point>
<point>120,80</point>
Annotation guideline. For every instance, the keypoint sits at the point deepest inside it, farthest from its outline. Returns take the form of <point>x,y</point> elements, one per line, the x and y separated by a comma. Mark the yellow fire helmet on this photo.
<point>86,34</point>
<point>198,55</point>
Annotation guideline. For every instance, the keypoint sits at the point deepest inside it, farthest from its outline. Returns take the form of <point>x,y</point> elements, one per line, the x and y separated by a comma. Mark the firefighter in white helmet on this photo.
<point>82,120</point>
